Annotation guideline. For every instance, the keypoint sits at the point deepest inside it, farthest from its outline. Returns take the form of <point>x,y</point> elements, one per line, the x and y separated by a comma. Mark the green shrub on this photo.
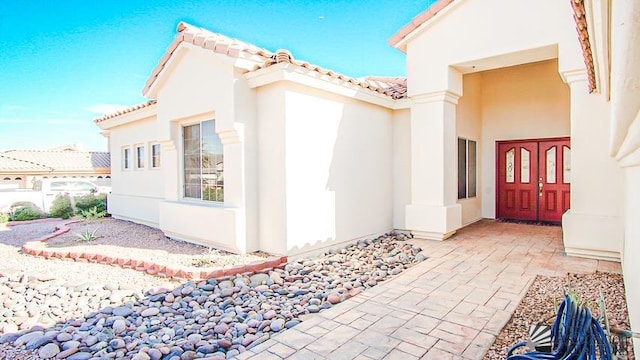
<point>61,207</point>
<point>90,201</point>
<point>92,214</point>
<point>24,213</point>
<point>3,218</point>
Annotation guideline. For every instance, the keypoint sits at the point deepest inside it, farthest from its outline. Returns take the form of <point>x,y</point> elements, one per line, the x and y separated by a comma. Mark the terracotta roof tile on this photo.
<point>206,39</point>
<point>419,20</point>
<point>11,164</point>
<point>579,16</point>
<point>54,160</point>
<point>395,88</point>
<point>124,111</point>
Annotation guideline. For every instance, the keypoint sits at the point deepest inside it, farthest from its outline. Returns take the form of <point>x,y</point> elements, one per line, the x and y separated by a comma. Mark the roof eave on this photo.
<point>419,23</point>
<point>296,74</point>
<point>129,117</point>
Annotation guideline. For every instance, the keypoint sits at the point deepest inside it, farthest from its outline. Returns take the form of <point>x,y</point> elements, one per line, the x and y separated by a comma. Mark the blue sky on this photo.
<point>63,63</point>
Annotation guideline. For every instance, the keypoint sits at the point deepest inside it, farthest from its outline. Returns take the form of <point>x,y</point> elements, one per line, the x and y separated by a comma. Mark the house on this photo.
<point>21,168</point>
<point>511,109</point>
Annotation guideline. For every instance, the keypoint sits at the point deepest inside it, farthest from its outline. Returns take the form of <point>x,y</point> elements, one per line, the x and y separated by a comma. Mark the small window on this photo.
<point>18,178</point>
<point>467,168</point>
<point>140,157</point>
<point>155,155</point>
<point>126,158</point>
<point>7,179</point>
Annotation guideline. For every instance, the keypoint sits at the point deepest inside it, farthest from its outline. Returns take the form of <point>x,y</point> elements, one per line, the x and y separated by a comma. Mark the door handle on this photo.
<point>540,187</point>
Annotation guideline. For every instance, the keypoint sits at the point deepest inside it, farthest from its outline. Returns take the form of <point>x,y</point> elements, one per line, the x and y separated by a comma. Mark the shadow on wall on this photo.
<point>340,173</point>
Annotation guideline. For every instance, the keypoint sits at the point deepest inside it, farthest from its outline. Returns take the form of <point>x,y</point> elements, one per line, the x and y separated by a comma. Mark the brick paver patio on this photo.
<point>451,306</point>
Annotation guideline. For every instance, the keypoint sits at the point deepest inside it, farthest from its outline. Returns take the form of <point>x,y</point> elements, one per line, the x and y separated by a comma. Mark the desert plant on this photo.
<point>87,235</point>
<point>61,207</point>
<point>90,201</point>
<point>24,213</point>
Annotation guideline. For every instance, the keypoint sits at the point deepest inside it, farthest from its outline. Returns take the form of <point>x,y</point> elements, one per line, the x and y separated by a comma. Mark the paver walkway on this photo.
<point>451,306</point>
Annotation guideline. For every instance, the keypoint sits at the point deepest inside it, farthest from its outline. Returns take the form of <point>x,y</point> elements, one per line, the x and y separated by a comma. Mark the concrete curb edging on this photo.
<point>38,247</point>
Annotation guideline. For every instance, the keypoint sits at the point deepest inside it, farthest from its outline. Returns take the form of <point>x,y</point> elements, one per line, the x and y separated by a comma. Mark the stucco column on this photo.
<point>433,212</point>
<point>593,226</point>
<point>625,139</point>
<point>170,166</point>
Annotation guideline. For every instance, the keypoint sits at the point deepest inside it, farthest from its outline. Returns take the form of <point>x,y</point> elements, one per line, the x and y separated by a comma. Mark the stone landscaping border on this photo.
<point>38,247</point>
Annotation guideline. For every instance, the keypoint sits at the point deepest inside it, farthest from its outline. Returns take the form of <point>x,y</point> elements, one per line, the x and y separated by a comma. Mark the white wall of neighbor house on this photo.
<point>200,85</point>
<point>338,166</point>
<point>520,102</point>
<point>401,166</point>
<point>136,191</point>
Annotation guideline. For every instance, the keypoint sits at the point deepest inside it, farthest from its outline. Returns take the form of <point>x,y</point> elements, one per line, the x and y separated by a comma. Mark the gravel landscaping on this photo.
<point>537,307</point>
<point>119,238</point>
<point>104,318</point>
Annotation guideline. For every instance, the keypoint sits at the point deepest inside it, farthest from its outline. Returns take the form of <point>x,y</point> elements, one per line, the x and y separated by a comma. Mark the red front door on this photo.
<point>533,179</point>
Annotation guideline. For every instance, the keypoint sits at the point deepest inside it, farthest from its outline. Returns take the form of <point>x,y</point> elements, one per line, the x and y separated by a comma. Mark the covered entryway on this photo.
<point>533,179</point>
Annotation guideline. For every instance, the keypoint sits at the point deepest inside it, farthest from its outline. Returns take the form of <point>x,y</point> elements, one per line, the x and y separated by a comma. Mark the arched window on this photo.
<point>7,179</point>
<point>18,178</point>
<point>107,177</point>
<point>99,176</point>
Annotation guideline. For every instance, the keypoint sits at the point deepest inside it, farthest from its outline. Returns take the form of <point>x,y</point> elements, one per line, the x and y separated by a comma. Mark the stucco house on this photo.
<point>20,168</point>
<point>513,109</point>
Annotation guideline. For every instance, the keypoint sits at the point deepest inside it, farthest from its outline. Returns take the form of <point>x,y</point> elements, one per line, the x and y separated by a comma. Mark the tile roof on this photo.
<point>10,164</point>
<point>395,88</point>
<point>419,20</point>
<point>124,111</point>
<point>206,39</point>
<point>579,16</point>
<point>53,160</point>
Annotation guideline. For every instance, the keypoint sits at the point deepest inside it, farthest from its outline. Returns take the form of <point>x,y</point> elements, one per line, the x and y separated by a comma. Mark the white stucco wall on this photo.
<point>469,126</point>
<point>272,222</point>
<point>339,167</point>
<point>498,34</point>
<point>198,85</point>
<point>135,193</point>
<point>520,102</point>
<point>401,166</point>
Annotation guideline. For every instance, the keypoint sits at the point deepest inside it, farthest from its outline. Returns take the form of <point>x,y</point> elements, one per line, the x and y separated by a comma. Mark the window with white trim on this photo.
<point>139,156</point>
<point>126,158</point>
<point>203,162</point>
<point>467,168</point>
<point>155,156</point>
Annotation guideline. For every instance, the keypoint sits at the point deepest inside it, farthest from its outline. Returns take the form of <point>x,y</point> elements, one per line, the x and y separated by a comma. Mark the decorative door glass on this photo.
<point>525,168</point>
<point>551,165</point>
<point>511,165</point>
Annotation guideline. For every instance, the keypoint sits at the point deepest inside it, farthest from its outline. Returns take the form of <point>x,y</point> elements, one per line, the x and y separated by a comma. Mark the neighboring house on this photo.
<point>21,168</point>
<point>512,109</point>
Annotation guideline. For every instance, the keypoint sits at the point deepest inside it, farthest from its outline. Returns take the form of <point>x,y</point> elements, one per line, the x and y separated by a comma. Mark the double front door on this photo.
<point>533,179</point>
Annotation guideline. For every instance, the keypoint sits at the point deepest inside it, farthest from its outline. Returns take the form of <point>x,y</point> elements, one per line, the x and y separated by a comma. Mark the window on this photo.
<point>467,160</point>
<point>140,157</point>
<point>155,155</point>
<point>126,158</point>
<point>203,162</point>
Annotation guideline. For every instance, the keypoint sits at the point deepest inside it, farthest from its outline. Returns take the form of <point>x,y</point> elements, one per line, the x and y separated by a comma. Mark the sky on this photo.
<point>64,63</point>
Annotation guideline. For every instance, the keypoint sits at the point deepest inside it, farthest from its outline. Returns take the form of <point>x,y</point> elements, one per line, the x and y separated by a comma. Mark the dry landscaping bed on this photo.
<point>124,239</point>
<point>538,306</point>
